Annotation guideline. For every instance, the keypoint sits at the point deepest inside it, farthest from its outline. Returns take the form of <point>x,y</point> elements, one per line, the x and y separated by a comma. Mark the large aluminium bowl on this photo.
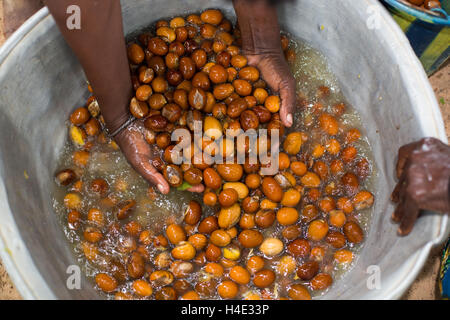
<point>41,81</point>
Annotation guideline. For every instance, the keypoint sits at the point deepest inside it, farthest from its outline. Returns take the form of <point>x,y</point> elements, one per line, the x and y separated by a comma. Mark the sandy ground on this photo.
<point>14,12</point>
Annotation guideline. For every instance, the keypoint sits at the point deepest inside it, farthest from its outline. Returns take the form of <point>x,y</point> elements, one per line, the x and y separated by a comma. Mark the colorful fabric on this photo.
<point>444,274</point>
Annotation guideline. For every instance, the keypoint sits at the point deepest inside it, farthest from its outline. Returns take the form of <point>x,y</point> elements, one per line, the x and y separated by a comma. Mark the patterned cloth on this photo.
<point>444,274</point>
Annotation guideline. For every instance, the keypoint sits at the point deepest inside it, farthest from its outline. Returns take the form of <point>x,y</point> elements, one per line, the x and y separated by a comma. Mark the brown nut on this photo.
<point>265,218</point>
<point>135,265</point>
<point>158,46</point>
<point>65,177</point>
<point>228,217</point>
<point>177,47</point>
<point>174,77</point>
<point>146,75</point>
<point>249,73</point>
<point>353,232</point>
<point>139,109</point>
<point>187,68</point>
<point>230,172</point>
<point>171,112</point>
<point>220,238</point>
<point>264,278</point>
<point>193,213</point>
<point>236,107</point>
<point>125,209</point>
<point>197,98</point>
<point>158,65</point>
<point>157,101</point>
<point>224,59</point>
<point>106,282</point>
<point>80,116</point>
<point>242,87</point>
<point>99,187</point>
<point>173,174</point>
<point>249,120</point>
<point>228,197</point>
<point>321,281</point>
<point>250,238</point>
<point>308,270</point>
<point>180,97</point>
<point>199,57</point>
<point>208,225</point>
<point>201,80</point>
<point>135,53</point>
<point>218,74</point>
<point>335,239</point>
<point>212,16</point>
<point>193,176</point>
<point>212,179</point>
<point>271,189</point>
<point>223,91</point>
<point>156,123</point>
<point>250,204</point>
<point>299,248</point>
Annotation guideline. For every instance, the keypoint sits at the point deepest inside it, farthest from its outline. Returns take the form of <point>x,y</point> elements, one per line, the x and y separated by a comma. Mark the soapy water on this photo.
<point>310,70</point>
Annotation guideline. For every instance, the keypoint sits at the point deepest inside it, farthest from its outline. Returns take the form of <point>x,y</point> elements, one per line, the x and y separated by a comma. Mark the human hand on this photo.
<point>141,156</point>
<point>423,170</point>
<point>275,71</point>
<point>261,43</point>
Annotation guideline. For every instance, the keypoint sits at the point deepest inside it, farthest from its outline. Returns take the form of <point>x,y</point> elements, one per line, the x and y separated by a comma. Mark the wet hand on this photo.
<point>141,156</point>
<point>423,170</point>
<point>276,72</point>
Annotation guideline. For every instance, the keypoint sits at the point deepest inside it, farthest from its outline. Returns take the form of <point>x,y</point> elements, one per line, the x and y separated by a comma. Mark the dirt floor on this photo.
<point>14,12</point>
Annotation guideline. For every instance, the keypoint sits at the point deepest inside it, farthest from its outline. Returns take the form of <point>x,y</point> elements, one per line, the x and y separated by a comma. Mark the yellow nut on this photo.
<point>78,136</point>
<point>226,147</point>
<point>168,34</point>
<point>310,180</point>
<point>208,67</point>
<point>290,177</point>
<point>251,295</point>
<point>286,265</point>
<point>228,217</point>
<point>293,143</point>
<point>184,251</point>
<point>318,151</point>
<point>212,128</point>
<point>72,201</point>
<point>241,188</point>
<point>231,253</point>
<point>267,204</point>
<point>177,22</point>
<point>271,247</point>
<point>114,145</point>
<point>272,103</point>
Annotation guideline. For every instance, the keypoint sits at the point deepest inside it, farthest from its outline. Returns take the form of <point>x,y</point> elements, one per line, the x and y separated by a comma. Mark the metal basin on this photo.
<point>41,81</point>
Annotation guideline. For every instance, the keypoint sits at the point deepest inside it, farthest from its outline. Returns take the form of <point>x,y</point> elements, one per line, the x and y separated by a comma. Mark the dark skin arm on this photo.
<point>261,43</point>
<point>423,170</point>
<point>101,50</point>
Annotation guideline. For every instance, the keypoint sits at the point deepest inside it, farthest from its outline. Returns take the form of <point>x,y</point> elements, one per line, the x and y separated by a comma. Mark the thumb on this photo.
<point>287,93</point>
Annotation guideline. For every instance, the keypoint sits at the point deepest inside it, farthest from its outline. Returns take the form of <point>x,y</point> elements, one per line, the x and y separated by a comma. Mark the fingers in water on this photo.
<point>148,171</point>
<point>287,93</point>
<point>197,189</point>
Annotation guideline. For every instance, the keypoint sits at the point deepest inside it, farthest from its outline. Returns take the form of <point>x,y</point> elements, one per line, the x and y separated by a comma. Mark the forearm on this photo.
<point>258,22</point>
<point>100,47</point>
